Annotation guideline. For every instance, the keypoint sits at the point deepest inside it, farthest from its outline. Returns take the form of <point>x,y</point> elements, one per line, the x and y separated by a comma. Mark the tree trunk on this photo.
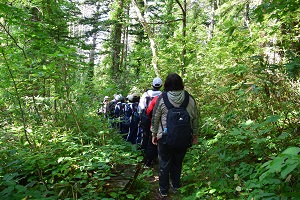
<point>212,20</point>
<point>116,39</point>
<point>125,42</point>
<point>183,53</point>
<point>92,58</point>
<point>246,15</point>
<point>150,36</point>
<point>90,71</point>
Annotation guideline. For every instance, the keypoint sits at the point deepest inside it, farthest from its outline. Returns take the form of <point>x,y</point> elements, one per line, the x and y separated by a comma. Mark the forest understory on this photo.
<point>60,59</point>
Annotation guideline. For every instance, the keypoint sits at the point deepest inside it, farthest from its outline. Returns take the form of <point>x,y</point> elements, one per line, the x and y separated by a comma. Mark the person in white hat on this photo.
<point>145,122</point>
<point>155,91</point>
<point>103,106</point>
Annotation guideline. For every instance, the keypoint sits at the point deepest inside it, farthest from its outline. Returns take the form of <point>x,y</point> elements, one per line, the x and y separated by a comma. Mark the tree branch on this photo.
<point>167,22</point>
<point>19,101</point>
<point>181,7</point>
<point>15,41</point>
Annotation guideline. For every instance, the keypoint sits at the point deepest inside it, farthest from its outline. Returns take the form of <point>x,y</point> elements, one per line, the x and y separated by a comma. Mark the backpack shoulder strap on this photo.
<point>186,100</point>
<point>166,100</point>
<point>135,106</point>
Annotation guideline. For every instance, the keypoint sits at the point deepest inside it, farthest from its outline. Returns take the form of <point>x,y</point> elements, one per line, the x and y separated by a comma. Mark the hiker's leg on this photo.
<point>175,170</point>
<point>132,135</point>
<point>139,137</point>
<point>164,158</point>
<point>145,140</point>
<point>151,153</point>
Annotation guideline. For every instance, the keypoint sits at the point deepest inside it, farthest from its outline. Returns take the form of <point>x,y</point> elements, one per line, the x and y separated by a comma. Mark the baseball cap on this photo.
<point>157,82</point>
<point>118,97</point>
<point>136,95</point>
<point>132,97</point>
<point>129,97</point>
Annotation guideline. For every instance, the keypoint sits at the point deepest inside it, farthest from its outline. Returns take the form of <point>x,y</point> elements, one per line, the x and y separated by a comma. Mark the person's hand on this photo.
<point>154,140</point>
<point>195,139</point>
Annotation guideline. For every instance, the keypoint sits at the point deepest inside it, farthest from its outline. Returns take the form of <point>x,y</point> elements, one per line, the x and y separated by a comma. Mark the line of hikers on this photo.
<point>164,124</point>
<point>132,117</point>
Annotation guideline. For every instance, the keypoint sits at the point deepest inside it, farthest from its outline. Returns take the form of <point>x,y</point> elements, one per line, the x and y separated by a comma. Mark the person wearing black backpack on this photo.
<point>151,150</point>
<point>174,129</point>
<point>110,110</point>
<point>133,118</point>
<point>145,121</point>
<point>119,116</point>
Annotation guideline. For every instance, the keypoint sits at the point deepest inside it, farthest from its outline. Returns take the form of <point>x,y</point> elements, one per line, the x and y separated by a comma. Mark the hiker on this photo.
<point>110,110</point>
<point>119,116</point>
<point>170,153</point>
<point>103,107</point>
<point>143,104</point>
<point>132,117</point>
<point>151,149</point>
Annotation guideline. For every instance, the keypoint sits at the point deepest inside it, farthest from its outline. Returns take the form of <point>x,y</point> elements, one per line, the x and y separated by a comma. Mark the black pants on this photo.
<point>145,139</point>
<point>151,152</point>
<point>170,166</point>
<point>133,133</point>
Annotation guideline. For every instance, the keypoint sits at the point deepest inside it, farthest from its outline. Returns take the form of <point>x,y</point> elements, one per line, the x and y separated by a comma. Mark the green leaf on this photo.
<point>7,190</point>
<point>283,135</point>
<point>273,118</point>
<point>288,169</point>
<point>291,151</point>
<point>9,177</point>
<point>276,164</point>
<point>211,191</point>
<point>113,194</point>
<point>20,188</point>
<point>130,196</point>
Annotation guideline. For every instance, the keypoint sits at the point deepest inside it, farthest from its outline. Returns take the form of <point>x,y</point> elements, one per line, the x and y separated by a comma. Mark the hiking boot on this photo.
<point>162,194</point>
<point>146,167</point>
<point>174,189</point>
<point>148,163</point>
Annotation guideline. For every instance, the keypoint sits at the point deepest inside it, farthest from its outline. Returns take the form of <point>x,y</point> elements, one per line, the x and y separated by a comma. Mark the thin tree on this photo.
<point>212,19</point>
<point>116,37</point>
<point>150,34</point>
<point>183,7</point>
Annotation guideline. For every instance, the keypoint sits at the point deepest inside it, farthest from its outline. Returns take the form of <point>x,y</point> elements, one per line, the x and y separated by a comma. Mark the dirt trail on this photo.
<point>154,194</point>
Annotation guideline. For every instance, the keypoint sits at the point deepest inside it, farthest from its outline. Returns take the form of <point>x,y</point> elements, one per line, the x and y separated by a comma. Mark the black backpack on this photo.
<point>110,108</point>
<point>135,119</point>
<point>145,120</point>
<point>127,114</point>
<point>178,134</point>
<point>119,110</point>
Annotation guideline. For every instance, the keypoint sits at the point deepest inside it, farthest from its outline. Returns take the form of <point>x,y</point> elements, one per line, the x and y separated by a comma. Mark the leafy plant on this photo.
<point>277,177</point>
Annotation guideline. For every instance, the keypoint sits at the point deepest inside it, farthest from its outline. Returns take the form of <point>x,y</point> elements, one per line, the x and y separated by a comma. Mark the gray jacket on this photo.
<point>160,112</point>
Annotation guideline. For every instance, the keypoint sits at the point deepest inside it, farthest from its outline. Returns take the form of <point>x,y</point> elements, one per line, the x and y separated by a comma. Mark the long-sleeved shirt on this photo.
<point>151,107</point>
<point>159,115</point>
<point>149,94</point>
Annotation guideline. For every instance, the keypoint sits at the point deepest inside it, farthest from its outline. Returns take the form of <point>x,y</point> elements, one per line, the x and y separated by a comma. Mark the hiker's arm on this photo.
<point>156,115</point>
<point>154,140</point>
